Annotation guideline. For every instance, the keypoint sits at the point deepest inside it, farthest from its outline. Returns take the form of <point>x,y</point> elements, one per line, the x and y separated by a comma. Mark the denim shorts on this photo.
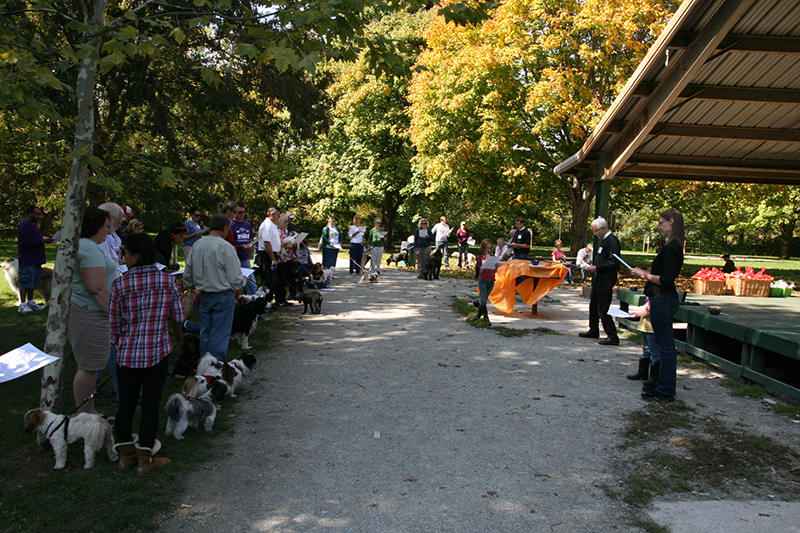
<point>30,276</point>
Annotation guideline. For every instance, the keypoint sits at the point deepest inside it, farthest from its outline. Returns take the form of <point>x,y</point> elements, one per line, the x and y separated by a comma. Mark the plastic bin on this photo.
<point>408,247</point>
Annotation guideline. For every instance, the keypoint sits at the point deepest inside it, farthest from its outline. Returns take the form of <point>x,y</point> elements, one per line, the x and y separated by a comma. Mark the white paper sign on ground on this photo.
<point>21,361</point>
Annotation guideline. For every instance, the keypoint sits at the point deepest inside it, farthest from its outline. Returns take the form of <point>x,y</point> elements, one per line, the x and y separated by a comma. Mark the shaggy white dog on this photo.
<point>93,429</point>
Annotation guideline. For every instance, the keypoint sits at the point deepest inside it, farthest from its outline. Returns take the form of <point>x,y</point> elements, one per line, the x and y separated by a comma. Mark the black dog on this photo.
<point>245,316</point>
<point>186,365</point>
<point>431,265</point>
<point>402,256</point>
<point>312,299</point>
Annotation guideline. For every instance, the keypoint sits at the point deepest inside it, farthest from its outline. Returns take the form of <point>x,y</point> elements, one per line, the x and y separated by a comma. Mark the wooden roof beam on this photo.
<point>700,176</point>
<point>714,132</point>
<point>763,44</point>
<point>716,172</point>
<point>713,162</point>
<point>680,72</point>
<point>728,94</point>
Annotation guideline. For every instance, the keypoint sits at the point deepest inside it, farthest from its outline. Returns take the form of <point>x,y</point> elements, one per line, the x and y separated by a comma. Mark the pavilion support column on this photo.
<point>602,192</point>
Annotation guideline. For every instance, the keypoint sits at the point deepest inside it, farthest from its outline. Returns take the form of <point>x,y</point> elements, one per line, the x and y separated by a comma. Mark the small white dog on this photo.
<point>470,258</point>
<point>216,392</point>
<point>232,371</point>
<point>183,412</point>
<point>93,429</point>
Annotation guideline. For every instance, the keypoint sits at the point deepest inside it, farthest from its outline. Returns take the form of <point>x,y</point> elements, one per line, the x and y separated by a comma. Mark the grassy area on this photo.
<point>37,498</point>
<point>675,451</point>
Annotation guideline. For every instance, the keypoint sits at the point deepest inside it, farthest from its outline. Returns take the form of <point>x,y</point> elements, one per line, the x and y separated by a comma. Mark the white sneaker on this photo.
<point>24,308</point>
<point>34,306</point>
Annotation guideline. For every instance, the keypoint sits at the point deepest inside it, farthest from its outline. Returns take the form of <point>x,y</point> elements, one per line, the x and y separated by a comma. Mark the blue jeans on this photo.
<point>442,245</point>
<point>192,327</point>
<point>568,277</point>
<point>662,310</point>
<point>463,250</point>
<point>216,319</point>
<point>329,256</point>
<point>318,284</point>
<point>356,253</point>
<point>649,348</point>
<point>250,287</point>
<point>485,287</point>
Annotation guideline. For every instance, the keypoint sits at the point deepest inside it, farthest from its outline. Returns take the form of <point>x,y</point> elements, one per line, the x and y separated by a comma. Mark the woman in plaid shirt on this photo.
<point>142,303</point>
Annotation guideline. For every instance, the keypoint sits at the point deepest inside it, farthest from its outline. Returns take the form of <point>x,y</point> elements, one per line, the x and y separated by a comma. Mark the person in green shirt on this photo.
<point>375,242</point>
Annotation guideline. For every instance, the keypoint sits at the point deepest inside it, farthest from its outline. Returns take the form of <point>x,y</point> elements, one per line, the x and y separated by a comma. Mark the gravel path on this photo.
<point>388,413</point>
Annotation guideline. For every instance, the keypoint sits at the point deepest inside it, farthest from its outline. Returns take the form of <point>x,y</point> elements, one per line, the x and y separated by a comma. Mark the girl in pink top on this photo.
<point>485,280</point>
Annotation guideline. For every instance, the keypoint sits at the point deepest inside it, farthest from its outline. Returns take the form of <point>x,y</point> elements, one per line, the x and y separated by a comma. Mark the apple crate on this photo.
<point>750,287</point>
<point>709,286</point>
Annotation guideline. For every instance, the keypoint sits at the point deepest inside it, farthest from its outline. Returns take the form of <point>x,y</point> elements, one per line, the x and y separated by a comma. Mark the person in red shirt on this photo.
<point>559,256</point>
<point>485,280</point>
<point>142,304</point>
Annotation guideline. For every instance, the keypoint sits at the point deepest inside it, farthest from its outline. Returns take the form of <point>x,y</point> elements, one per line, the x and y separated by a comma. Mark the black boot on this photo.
<point>644,368</point>
<point>485,315</point>
<point>652,381</point>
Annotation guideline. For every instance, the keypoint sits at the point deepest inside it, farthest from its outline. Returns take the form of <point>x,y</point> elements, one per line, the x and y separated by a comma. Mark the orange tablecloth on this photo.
<point>535,282</point>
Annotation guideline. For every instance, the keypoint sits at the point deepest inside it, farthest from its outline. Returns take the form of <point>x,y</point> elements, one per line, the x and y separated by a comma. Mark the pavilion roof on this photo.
<point>717,98</point>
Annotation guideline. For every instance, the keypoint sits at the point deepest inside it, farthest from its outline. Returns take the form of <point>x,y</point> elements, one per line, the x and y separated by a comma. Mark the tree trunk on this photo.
<point>58,314</point>
<point>581,194</point>
<point>787,233</point>
<point>392,201</point>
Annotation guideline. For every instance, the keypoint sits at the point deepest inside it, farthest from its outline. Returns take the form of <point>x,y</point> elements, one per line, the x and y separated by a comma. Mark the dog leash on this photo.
<point>65,420</point>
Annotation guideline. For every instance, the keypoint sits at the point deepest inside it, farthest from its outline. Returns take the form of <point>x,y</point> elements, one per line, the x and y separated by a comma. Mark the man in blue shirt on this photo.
<point>193,232</point>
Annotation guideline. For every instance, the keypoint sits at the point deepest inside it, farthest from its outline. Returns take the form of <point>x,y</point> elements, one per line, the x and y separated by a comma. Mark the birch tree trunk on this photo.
<point>58,313</point>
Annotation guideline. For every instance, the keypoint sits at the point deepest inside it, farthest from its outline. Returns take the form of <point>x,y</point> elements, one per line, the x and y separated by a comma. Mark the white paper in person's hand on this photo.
<point>619,313</point>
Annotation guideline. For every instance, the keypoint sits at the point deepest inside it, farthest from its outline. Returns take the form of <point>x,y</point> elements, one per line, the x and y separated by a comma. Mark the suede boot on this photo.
<point>652,381</point>
<point>146,460</point>
<point>644,369</point>
<point>127,454</point>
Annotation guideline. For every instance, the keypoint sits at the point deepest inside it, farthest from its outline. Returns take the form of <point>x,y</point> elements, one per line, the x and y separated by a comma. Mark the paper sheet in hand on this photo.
<point>471,241</point>
<point>383,234</point>
<point>56,236</point>
<point>246,272</point>
<point>619,313</point>
<point>490,263</point>
<point>300,237</point>
<point>122,268</point>
<point>176,273</point>
<point>21,361</point>
<point>204,230</point>
<point>250,244</point>
<point>621,260</point>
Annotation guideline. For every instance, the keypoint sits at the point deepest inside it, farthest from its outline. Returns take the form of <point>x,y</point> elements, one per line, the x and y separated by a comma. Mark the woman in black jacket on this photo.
<point>664,303</point>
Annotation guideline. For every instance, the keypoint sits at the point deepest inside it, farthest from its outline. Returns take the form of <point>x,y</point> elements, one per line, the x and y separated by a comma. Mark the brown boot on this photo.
<point>146,460</point>
<point>127,454</point>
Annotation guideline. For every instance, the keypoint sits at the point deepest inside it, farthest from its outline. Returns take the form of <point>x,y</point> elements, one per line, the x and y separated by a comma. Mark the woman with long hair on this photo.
<point>664,301</point>
<point>143,303</point>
